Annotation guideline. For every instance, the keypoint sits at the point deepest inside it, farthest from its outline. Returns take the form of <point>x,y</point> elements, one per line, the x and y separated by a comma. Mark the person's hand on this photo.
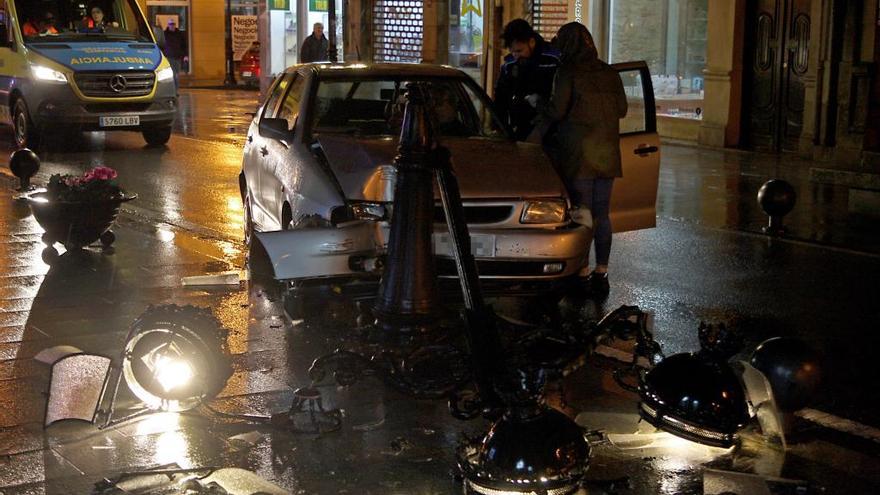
<point>114,24</point>
<point>533,99</point>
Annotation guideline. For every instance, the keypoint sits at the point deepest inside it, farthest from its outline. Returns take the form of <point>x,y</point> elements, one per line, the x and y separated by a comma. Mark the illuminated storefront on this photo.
<point>466,28</point>
<point>290,22</point>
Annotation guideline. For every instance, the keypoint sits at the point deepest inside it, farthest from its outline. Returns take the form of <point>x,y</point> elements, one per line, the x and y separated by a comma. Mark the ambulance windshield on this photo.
<point>74,20</point>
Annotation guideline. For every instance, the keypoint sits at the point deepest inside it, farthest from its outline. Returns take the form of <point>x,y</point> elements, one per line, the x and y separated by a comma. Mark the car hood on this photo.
<point>486,169</point>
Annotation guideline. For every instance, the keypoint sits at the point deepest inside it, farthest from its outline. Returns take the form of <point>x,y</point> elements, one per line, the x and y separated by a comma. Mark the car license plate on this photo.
<point>246,73</point>
<point>124,120</point>
<point>482,245</point>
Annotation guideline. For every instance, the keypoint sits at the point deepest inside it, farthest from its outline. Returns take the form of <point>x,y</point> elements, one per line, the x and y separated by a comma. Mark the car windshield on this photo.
<point>76,20</point>
<point>374,107</point>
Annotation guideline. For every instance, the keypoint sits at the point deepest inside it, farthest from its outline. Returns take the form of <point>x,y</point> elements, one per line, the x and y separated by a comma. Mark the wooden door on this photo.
<point>777,60</point>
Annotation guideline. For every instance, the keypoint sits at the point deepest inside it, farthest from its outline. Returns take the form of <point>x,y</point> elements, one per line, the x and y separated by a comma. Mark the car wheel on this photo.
<point>157,136</point>
<point>248,221</point>
<point>25,133</point>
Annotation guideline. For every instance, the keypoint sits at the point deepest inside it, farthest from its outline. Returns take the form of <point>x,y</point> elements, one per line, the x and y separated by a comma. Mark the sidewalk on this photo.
<point>718,189</point>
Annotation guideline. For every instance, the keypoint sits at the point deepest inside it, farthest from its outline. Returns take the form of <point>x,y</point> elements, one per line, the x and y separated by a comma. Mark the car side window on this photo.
<point>275,95</point>
<point>635,100</point>
<point>639,99</point>
<point>289,109</point>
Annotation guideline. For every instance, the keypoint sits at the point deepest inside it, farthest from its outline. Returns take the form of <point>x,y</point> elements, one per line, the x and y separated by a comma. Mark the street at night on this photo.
<point>393,247</point>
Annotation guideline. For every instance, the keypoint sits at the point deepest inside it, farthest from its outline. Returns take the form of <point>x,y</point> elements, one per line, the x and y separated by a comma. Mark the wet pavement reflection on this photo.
<point>716,188</point>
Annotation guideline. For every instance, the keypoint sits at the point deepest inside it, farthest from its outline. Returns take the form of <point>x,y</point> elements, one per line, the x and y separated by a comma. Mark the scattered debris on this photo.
<point>249,439</point>
<point>53,354</point>
<point>398,446</point>
<point>231,277</point>
<point>717,482</point>
<point>369,426</point>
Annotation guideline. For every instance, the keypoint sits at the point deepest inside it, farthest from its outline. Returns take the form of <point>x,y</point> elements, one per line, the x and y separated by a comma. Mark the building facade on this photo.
<point>781,75</point>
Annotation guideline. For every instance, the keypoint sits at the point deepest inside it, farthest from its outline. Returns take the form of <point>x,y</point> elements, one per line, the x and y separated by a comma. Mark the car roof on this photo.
<point>326,71</point>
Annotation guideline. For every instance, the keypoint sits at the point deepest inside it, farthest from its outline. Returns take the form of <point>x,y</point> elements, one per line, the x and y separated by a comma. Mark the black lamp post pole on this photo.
<point>230,65</point>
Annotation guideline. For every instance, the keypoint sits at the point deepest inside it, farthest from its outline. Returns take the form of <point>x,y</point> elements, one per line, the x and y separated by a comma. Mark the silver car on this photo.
<point>317,178</point>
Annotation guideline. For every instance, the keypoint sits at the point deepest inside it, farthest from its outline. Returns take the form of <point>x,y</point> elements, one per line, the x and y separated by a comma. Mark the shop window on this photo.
<point>466,36</point>
<point>670,35</point>
<point>178,11</point>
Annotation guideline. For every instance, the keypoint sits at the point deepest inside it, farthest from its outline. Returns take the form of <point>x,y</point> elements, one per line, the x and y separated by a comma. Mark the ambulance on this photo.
<point>78,65</point>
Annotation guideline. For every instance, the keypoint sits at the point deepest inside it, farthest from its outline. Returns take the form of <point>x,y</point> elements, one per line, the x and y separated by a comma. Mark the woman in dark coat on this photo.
<point>586,105</point>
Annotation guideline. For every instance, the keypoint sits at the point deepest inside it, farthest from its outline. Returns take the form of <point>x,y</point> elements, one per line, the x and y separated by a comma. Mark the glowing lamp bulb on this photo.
<point>172,373</point>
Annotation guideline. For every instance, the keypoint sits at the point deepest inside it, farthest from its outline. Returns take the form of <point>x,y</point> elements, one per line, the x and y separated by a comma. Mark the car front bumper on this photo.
<point>505,254</point>
<point>58,105</point>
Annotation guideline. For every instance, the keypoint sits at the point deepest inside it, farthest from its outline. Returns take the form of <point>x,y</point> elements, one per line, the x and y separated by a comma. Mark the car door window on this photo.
<point>275,94</point>
<point>289,108</point>
<point>637,119</point>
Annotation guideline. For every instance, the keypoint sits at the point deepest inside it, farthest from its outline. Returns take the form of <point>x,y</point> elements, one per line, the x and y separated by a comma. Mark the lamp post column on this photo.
<point>230,66</point>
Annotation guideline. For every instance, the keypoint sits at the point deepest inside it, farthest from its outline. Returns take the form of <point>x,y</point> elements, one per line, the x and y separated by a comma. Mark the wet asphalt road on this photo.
<point>705,261</point>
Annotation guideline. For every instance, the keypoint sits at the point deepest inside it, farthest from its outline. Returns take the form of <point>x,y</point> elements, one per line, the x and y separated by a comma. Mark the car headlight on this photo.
<point>165,74</point>
<point>43,73</point>
<point>551,211</point>
<point>368,211</point>
<point>358,211</point>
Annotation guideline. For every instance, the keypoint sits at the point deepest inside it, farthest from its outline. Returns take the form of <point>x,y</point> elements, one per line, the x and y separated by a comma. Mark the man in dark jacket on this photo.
<point>175,49</point>
<point>315,47</point>
<point>528,70</point>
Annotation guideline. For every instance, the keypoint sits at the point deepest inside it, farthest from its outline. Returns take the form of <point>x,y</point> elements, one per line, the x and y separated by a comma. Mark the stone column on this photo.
<point>435,43</point>
<point>723,77</point>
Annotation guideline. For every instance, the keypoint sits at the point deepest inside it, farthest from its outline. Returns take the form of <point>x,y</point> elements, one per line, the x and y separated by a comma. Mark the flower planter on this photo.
<point>75,224</point>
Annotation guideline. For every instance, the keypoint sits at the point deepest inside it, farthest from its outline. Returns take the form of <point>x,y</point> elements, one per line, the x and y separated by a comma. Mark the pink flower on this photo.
<point>100,173</point>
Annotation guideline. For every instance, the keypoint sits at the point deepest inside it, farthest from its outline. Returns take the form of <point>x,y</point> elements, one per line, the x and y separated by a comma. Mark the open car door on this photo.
<point>634,197</point>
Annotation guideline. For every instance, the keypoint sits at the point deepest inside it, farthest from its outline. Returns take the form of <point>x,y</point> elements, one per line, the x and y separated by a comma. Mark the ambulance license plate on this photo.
<point>247,73</point>
<point>121,121</point>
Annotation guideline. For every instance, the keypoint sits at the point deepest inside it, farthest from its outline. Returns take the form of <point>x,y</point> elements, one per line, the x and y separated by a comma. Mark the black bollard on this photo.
<point>777,198</point>
<point>408,290</point>
<point>24,163</point>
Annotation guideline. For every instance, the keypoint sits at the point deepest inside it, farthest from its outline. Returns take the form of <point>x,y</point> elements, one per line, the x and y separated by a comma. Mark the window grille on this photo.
<point>548,16</point>
<point>397,31</point>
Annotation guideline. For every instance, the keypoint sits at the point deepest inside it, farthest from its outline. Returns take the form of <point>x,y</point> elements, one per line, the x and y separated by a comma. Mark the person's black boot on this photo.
<point>597,284</point>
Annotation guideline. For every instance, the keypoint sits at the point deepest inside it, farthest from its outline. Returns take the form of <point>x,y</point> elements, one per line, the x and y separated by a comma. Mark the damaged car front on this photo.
<point>319,193</point>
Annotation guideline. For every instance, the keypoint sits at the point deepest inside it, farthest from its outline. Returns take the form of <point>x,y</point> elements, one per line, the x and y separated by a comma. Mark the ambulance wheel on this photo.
<point>25,133</point>
<point>157,136</point>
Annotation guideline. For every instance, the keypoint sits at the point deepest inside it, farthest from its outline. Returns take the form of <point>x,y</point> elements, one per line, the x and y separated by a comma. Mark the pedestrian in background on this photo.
<point>527,70</point>
<point>175,49</point>
<point>315,47</point>
<point>586,105</point>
